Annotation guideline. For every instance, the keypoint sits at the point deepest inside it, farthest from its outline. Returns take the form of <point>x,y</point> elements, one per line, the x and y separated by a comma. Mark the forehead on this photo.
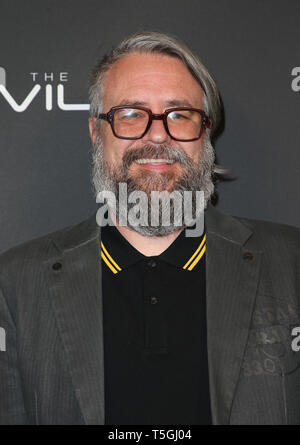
<point>152,79</point>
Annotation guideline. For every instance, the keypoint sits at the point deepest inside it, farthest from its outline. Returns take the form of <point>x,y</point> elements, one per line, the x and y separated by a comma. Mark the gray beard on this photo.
<point>194,177</point>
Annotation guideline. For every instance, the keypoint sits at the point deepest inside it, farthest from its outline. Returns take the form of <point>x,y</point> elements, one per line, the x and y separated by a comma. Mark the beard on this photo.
<point>185,176</point>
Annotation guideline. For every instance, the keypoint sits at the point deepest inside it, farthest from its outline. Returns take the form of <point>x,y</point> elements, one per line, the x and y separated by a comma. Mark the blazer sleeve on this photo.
<point>12,409</point>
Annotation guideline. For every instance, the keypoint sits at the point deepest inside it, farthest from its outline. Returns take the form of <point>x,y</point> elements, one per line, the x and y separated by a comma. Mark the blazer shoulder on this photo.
<point>273,234</point>
<point>39,249</point>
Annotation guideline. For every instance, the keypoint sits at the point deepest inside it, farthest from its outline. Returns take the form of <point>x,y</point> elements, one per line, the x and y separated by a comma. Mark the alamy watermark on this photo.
<point>296,341</point>
<point>2,340</point>
<point>175,209</point>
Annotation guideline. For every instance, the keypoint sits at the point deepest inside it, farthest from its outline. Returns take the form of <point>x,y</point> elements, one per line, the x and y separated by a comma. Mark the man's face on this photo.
<point>157,82</point>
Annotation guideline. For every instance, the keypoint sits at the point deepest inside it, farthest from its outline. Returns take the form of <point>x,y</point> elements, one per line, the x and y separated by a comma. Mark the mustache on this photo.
<point>155,152</point>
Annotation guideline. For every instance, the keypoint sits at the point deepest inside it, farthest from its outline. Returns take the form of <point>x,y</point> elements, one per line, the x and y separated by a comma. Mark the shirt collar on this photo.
<point>118,254</point>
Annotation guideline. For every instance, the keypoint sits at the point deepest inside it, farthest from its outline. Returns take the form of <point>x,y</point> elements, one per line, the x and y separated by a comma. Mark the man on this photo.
<point>140,323</point>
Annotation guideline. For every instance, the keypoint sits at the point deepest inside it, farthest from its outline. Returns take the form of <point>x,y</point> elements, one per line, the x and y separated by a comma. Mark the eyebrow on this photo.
<point>179,103</point>
<point>168,103</point>
<point>133,103</point>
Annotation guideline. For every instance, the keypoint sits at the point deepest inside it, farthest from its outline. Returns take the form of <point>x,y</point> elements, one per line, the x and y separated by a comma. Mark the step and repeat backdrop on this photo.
<point>47,49</point>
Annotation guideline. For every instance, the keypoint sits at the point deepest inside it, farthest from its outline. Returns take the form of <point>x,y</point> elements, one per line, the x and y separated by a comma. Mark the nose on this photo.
<point>157,133</point>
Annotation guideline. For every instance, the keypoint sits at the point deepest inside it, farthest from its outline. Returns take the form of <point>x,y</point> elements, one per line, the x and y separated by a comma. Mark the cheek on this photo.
<point>108,142</point>
<point>194,150</point>
<point>113,147</point>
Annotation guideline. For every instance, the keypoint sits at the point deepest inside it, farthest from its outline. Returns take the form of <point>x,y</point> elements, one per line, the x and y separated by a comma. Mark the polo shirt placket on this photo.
<point>155,350</point>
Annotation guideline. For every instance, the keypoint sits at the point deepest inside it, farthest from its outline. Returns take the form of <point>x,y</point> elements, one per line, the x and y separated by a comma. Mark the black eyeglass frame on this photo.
<point>109,117</point>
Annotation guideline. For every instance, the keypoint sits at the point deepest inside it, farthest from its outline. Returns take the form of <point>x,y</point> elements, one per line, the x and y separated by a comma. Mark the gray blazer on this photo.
<point>50,308</point>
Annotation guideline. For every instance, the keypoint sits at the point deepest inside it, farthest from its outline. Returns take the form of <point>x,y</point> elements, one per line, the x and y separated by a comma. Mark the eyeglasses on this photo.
<point>182,124</point>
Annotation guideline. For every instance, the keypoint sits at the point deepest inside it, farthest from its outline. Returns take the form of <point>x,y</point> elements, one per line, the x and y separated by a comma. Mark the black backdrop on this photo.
<point>251,47</point>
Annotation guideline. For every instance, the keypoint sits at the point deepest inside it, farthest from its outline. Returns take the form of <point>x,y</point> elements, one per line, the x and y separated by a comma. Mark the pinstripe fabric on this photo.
<point>53,373</point>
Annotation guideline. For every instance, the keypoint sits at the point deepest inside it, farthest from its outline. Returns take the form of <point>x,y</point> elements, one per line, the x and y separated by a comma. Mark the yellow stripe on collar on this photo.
<point>195,255</point>
<point>198,258</point>
<point>109,261</point>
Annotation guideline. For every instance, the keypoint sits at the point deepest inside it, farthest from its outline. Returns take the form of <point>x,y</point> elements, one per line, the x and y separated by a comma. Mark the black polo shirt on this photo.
<point>155,349</point>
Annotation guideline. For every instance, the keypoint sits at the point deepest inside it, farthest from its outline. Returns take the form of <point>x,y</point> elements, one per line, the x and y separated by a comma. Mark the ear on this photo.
<point>92,128</point>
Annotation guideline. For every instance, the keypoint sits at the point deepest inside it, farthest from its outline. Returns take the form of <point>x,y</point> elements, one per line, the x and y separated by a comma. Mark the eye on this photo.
<point>177,115</point>
<point>130,114</point>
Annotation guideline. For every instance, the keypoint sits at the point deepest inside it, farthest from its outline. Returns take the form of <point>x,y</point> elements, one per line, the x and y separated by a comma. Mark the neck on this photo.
<point>147,245</point>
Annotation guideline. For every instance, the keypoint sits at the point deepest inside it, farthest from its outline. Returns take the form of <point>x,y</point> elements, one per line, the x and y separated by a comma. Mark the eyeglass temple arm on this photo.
<point>206,121</point>
<point>106,116</point>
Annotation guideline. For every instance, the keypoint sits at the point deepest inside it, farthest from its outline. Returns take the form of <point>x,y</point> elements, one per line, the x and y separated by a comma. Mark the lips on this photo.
<point>159,165</point>
<point>159,161</point>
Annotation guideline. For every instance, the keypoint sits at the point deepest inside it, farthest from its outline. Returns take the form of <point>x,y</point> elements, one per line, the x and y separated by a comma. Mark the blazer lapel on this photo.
<point>75,290</point>
<point>232,280</point>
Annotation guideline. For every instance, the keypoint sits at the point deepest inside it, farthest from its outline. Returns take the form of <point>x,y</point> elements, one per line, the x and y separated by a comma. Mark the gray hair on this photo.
<point>155,42</point>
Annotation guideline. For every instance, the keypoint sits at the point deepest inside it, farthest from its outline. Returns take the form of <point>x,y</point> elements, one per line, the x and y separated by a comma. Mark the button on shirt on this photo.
<point>155,349</point>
